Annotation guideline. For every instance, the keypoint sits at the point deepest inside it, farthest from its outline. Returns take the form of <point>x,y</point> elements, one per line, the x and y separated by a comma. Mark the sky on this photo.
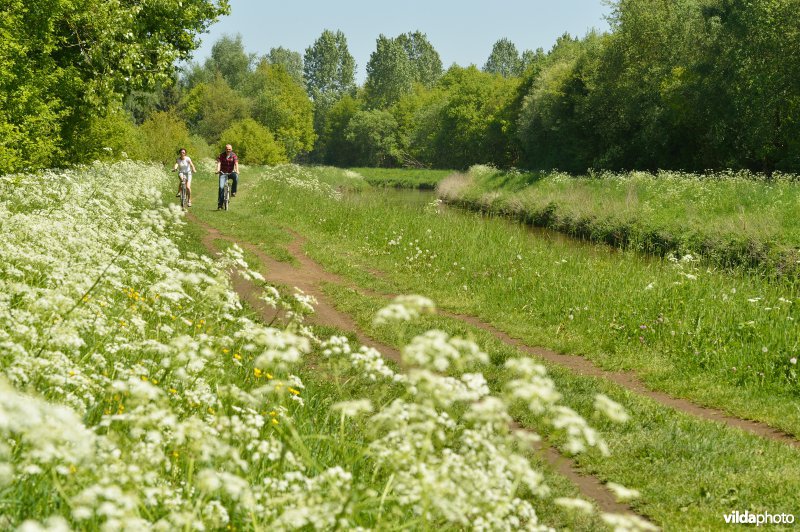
<point>463,32</point>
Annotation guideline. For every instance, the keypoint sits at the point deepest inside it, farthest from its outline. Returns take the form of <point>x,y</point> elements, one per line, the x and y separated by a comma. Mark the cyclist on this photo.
<point>227,168</point>
<point>184,166</point>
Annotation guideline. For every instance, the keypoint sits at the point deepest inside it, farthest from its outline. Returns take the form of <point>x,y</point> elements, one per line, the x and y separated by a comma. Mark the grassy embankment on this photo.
<point>730,219</point>
<point>419,178</point>
<point>721,339</point>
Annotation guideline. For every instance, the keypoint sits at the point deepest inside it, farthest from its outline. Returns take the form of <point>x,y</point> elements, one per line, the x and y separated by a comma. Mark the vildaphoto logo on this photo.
<point>764,518</point>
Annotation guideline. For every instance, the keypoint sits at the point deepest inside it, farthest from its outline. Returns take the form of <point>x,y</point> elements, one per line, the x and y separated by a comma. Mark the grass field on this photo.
<point>725,339</point>
<point>419,178</point>
<point>729,219</point>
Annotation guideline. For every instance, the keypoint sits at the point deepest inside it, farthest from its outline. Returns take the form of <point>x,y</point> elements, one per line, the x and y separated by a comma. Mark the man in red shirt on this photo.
<point>227,167</point>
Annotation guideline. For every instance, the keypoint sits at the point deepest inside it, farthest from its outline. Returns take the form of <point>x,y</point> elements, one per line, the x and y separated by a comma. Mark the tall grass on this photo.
<point>710,335</point>
<point>730,219</point>
<point>420,178</point>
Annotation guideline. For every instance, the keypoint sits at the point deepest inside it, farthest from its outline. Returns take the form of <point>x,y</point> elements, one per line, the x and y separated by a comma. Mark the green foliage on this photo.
<point>280,104</point>
<point>108,137</point>
<point>425,61</point>
<point>64,61</point>
<point>290,60</point>
<point>504,59</point>
<point>142,103</point>
<point>328,67</point>
<point>373,138</point>
<point>229,59</point>
<point>465,123</point>
<point>333,145</point>
<point>162,135</point>
<point>253,143</point>
<point>550,127</point>
<point>390,73</point>
<point>329,71</point>
<point>210,108</point>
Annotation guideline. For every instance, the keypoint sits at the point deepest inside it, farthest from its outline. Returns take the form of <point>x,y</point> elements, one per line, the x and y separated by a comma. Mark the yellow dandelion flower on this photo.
<point>173,390</point>
<point>293,391</point>
<point>237,356</point>
<point>256,372</point>
<point>274,421</point>
<point>226,350</point>
<point>211,410</point>
<point>269,376</point>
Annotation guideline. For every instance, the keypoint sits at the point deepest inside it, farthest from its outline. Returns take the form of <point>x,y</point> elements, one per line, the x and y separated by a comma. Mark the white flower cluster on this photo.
<point>134,394</point>
<point>404,308</point>
<point>366,361</point>
<point>439,351</point>
<point>296,176</point>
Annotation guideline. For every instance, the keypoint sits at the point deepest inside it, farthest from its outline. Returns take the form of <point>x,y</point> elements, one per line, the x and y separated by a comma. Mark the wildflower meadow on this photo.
<point>137,392</point>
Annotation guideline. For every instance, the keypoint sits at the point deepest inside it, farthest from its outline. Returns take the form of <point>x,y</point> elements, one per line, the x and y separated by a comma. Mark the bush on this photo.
<point>163,134</point>
<point>373,137</point>
<point>107,138</point>
<point>253,143</point>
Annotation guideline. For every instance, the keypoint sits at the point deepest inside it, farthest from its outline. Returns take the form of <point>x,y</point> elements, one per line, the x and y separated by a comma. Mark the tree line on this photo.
<point>685,84</point>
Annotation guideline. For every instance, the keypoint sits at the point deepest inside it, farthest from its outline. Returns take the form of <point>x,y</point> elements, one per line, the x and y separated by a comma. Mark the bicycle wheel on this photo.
<point>184,196</point>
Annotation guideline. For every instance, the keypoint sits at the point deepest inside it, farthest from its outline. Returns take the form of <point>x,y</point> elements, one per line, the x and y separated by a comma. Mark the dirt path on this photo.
<point>309,276</point>
<point>632,382</point>
<point>577,364</point>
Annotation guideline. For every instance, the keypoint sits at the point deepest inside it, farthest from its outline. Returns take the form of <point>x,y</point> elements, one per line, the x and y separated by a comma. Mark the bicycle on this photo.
<point>226,192</point>
<point>184,192</point>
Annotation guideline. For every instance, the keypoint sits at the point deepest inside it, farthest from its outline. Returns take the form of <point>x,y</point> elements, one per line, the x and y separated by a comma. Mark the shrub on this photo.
<point>162,135</point>
<point>254,143</point>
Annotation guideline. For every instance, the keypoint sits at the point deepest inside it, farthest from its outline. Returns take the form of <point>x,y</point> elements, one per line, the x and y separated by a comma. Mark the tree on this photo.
<point>425,60</point>
<point>288,59</point>
<point>466,123</point>
<point>530,59</point>
<point>110,136</point>
<point>66,61</point>
<point>254,143</point>
<point>230,60</point>
<point>333,146</point>
<point>390,73</point>
<point>373,137</point>
<point>210,108</point>
<point>162,135</point>
<point>280,104</point>
<point>504,59</point>
<point>551,128</point>
<point>329,71</point>
<point>328,68</point>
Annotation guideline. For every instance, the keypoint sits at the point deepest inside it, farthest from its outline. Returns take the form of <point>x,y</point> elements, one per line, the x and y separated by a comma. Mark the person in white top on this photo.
<point>185,166</point>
